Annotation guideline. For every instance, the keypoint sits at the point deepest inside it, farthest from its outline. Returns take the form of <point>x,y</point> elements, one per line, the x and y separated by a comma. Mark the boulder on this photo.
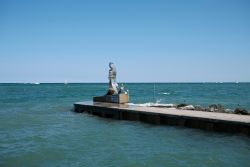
<point>181,105</point>
<point>170,105</point>
<point>216,108</point>
<point>199,108</point>
<point>188,107</point>
<point>228,110</point>
<point>241,111</point>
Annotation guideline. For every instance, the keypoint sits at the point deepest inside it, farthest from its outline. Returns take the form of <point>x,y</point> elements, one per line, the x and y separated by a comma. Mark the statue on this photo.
<point>115,94</point>
<point>113,85</point>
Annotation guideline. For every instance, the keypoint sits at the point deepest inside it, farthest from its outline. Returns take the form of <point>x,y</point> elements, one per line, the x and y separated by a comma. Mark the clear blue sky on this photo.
<point>149,41</point>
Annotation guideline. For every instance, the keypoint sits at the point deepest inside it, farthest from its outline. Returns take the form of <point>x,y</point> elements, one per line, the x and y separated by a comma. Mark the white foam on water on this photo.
<point>158,101</point>
<point>35,83</point>
<point>165,93</point>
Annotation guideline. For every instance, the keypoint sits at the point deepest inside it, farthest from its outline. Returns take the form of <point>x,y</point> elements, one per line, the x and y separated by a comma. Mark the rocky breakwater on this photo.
<point>211,108</point>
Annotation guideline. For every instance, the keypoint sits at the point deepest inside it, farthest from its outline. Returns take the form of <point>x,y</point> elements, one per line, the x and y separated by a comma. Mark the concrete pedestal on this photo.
<point>120,98</point>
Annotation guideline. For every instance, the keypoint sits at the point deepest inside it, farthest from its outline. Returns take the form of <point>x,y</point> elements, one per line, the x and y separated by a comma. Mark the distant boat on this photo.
<point>65,82</point>
<point>36,83</point>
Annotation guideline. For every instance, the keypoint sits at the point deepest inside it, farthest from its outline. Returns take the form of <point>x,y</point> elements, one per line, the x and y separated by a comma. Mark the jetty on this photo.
<point>115,104</point>
<point>221,122</point>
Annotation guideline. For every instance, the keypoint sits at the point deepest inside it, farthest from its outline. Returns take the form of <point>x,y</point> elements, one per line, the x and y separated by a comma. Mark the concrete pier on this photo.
<point>222,122</point>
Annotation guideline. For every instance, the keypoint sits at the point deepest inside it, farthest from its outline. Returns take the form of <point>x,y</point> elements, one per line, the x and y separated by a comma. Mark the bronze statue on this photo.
<point>113,85</point>
<point>115,94</point>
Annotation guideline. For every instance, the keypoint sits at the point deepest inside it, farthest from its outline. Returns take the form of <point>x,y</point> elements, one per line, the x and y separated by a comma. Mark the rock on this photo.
<point>181,105</point>
<point>241,111</point>
<point>216,108</point>
<point>188,107</point>
<point>228,110</point>
<point>170,105</point>
<point>199,108</point>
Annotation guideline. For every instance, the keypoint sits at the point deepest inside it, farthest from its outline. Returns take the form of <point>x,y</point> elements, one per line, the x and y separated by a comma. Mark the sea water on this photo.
<point>39,128</point>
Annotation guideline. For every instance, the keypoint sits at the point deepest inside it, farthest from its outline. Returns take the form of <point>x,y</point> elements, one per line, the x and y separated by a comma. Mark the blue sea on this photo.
<point>39,128</point>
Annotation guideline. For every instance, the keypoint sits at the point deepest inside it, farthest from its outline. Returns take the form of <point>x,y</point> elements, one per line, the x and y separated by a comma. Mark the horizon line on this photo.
<point>119,82</point>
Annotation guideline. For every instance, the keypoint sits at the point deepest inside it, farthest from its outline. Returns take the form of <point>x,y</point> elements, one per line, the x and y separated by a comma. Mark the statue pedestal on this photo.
<point>120,98</point>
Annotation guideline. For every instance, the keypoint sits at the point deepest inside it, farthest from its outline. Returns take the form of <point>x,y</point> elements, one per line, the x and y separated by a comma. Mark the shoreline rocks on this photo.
<point>181,105</point>
<point>199,108</point>
<point>211,108</point>
<point>241,111</point>
<point>188,107</point>
<point>216,108</point>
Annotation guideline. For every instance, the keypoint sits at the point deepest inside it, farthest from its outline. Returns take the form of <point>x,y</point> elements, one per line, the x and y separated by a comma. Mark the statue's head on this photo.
<point>111,65</point>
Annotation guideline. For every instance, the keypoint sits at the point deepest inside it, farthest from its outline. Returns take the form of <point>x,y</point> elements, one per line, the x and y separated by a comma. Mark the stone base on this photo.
<point>121,98</point>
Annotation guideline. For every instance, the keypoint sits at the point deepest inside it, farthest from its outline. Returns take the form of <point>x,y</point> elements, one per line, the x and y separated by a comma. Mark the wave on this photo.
<point>164,93</point>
